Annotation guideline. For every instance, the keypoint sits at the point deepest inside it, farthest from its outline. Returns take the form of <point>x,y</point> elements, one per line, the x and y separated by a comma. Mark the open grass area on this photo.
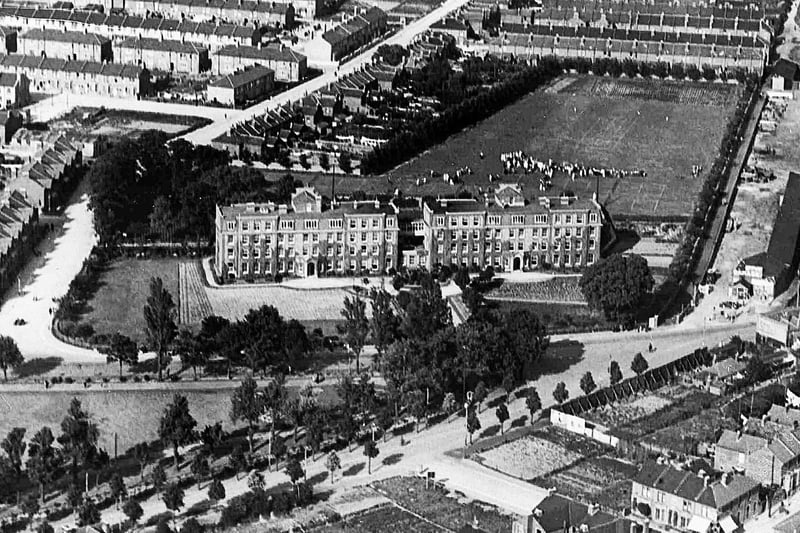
<point>122,293</point>
<point>441,508</point>
<point>562,289</point>
<point>132,415</point>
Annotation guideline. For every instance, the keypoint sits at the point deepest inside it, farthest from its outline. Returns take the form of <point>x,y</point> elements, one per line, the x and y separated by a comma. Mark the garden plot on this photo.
<point>603,480</point>
<point>623,413</point>
<point>540,454</point>
<point>686,436</point>
<point>388,519</point>
<point>561,289</point>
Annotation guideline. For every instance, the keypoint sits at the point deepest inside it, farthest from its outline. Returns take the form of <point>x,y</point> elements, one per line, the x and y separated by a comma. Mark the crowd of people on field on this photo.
<point>518,161</point>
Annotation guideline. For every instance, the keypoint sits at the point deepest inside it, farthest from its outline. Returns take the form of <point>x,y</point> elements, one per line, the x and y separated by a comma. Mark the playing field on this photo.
<point>661,128</point>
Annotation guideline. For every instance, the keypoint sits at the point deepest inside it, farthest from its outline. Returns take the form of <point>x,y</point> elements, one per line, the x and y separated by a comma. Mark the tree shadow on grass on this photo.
<point>355,469</point>
<point>37,367</point>
<point>494,402</point>
<point>559,358</point>
<point>491,431</point>
<point>519,422</point>
<point>318,478</point>
<point>522,393</point>
<point>393,459</point>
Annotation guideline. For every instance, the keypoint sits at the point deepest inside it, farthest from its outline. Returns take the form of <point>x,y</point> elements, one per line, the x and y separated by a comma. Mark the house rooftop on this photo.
<point>242,77</point>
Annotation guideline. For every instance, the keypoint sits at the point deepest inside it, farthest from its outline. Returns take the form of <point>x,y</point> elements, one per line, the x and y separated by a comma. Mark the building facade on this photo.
<point>770,462</point>
<point>56,76</point>
<point>509,233</point>
<point>165,56</point>
<point>70,45</point>
<point>239,87</point>
<point>14,90</point>
<point>305,239</point>
<point>289,66</point>
<point>669,500</point>
<point>342,40</point>
<point>232,11</point>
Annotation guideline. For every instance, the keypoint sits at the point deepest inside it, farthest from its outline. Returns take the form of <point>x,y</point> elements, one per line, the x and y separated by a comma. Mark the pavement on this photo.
<point>41,285</point>
<point>403,37</point>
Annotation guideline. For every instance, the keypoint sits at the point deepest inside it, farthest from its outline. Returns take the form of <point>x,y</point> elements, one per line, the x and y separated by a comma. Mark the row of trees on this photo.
<point>147,188</point>
<point>632,68</point>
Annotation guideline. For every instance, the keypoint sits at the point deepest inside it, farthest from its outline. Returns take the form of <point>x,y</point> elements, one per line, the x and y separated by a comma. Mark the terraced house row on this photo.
<point>252,10</point>
<point>506,232</point>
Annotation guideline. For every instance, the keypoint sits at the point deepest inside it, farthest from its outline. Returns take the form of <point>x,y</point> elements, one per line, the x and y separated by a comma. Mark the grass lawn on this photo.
<point>119,301</point>
<point>133,415</point>
<point>604,122</point>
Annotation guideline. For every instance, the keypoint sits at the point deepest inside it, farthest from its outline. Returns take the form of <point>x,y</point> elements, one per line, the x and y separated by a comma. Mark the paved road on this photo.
<point>403,37</point>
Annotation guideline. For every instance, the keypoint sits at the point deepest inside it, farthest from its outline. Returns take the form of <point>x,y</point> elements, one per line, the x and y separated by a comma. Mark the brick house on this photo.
<point>165,56</point>
<point>557,514</point>
<point>671,500</point>
<point>14,90</point>
<point>771,462</point>
<point>242,86</point>
<point>71,45</point>
<point>289,66</point>
<point>342,40</point>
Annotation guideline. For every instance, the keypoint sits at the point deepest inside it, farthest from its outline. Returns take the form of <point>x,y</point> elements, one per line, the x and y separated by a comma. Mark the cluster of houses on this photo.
<point>355,30</point>
<point>720,36</point>
<point>250,10</point>
<point>320,122</point>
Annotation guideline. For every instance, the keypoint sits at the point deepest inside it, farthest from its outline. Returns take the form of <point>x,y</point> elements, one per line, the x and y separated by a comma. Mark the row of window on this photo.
<point>517,246</point>
<point>288,267</point>
<point>288,239</point>
<point>312,251</point>
<point>497,220</point>
<point>310,224</point>
<point>505,263</point>
<point>519,233</point>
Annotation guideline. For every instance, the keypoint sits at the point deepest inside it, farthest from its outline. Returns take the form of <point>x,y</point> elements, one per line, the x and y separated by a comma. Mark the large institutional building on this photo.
<point>505,232</point>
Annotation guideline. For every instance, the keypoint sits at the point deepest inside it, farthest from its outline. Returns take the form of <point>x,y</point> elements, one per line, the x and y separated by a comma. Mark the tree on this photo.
<point>44,527</point>
<point>426,312</point>
<point>247,405</point>
<point>461,277</point>
<point>43,462</point>
<point>163,525</point>
<point>212,436</point>
<point>345,162</point>
<point>159,316</point>
<point>262,333</point>
<point>473,299</point>
<point>173,497</point>
<point>479,395</point>
<point>508,384</point>
<point>614,372</point>
<point>177,425</point>
<point>238,460</point>
<point>333,463</point>
<point>200,468</point>
<point>192,349</point>
<point>449,403</point>
<point>158,477</point>
<point>191,525</point>
<point>78,437</point>
<point>255,481</point>
<point>560,393</point>
<point>274,399</point>
<point>14,446</point>
<point>295,413</point>
<point>117,487</point>
<point>216,491</point>
<point>384,323</point>
<point>527,341</point>
<point>294,470</point>
<point>356,326</point>
<point>502,415</point>
<point>473,423</point>
<point>133,510</point>
<point>587,383</point>
<point>123,350</point>
<point>161,218</point>
<point>10,356</point>
<point>533,402</point>
<point>639,364</point>
<point>370,451</point>
<point>324,161</point>
<point>756,370</point>
<point>88,513</point>
<point>616,284</point>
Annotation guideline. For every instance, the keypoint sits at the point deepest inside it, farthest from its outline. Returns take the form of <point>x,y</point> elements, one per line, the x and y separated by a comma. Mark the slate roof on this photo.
<point>242,77</point>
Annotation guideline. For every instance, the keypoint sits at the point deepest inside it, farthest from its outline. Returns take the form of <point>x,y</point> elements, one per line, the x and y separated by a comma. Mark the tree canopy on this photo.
<point>617,284</point>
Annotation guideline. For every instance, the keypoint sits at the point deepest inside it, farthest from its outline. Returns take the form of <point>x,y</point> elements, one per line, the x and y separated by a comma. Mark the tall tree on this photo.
<point>159,316</point>
<point>247,405</point>
<point>10,356</point>
<point>78,437</point>
<point>43,462</point>
<point>614,372</point>
<point>173,497</point>
<point>533,402</point>
<point>142,454</point>
<point>617,284</point>
<point>356,326</point>
<point>262,332</point>
<point>560,393</point>
<point>502,415</point>
<point>333,463</point>
<point>587,383</point>
<point>639,364</point>
<point>216,491</point>
<point>117,487</point>
<point>158,477</point>
<point>384,323</point>
<point>370,451</point>
<point>473,423</point>
<point>123,350</point>
<point>274,400</point>
<point>133,510</point>
<point>192,349</point>
<point>161,219</point>
<point>14,446</point>
<point>426,311</point>
<point>177,425</point>
<point>295,471</point>
<point>527,340</point>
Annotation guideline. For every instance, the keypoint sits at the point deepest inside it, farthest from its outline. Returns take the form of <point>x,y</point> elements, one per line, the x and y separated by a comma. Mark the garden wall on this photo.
<point>581,426</point>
